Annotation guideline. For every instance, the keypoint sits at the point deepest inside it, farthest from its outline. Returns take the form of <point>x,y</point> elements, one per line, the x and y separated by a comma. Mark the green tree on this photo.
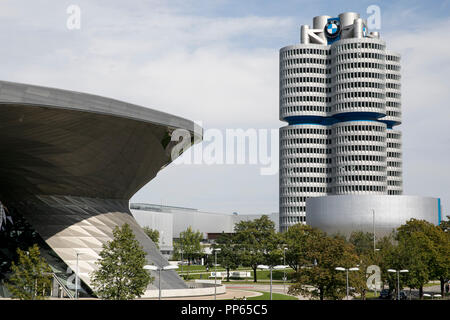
<point>445,225</point>
<point>363,242</point>
<point>295,239</point>
<point>31,276</point>
<point>228,257</point>
<point>324,255</point>
<point>443,267</point>
<point>153,234</point>
<point>257,243</point>
<point>121,274</point>
<point>427,248</point>
<point>189,245</point>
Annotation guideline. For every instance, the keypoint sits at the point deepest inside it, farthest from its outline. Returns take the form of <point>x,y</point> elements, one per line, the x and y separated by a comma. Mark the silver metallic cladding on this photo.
<point>345,214</point>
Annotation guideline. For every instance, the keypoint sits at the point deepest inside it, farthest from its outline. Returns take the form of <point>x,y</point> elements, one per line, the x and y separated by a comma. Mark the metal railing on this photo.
<point>63,286</point>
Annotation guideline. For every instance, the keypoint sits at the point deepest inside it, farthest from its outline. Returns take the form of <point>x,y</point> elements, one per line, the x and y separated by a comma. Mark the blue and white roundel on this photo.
<point>333,28</point>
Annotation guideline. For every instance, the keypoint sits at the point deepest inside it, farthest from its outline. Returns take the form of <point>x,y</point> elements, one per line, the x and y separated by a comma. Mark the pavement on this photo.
<point>230,294</point>
<point>239,291</point>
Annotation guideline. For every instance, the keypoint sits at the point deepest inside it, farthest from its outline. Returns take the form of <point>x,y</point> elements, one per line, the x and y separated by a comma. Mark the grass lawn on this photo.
<point>275,296</point>
<point>197,268</point>
<point>369,295</point>
<point>263,276</point>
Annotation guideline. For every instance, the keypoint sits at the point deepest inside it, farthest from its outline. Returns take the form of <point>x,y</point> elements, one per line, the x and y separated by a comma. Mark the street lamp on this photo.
<point>432,295</point>
<point>347,270</point>
<point>215,272</point>
<point>398,279</point>
<point>284,272</point>
<point>76,275</point>
<point>279,267</point>
<point>373,213</point>
<point>155,268</point>
<point>181,259</point>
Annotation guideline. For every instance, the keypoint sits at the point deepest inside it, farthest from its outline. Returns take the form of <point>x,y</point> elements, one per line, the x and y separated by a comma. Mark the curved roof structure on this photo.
<point>70,162</point>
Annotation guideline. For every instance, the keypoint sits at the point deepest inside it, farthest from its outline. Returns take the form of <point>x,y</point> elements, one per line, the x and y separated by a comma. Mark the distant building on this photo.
<point>170,221</point>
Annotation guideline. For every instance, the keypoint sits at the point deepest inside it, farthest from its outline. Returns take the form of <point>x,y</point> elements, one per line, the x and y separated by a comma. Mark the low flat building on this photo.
<point>170,221</point>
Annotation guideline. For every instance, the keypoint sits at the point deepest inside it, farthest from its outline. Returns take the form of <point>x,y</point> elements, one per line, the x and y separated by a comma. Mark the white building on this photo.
<point>170,221</point>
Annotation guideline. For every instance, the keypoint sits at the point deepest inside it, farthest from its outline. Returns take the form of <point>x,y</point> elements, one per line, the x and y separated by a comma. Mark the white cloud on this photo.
<point>195,67</point>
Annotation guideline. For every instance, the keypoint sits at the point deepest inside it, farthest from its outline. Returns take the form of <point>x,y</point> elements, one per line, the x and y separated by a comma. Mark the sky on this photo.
<point>216,62</point>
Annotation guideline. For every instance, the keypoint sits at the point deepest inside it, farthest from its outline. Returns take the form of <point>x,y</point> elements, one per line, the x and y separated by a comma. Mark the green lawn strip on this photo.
<point>261,275</point>
<point>275,296</point>
<point>203,268</point>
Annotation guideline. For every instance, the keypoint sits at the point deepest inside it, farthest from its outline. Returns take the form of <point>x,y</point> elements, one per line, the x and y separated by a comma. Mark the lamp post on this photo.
<point>373,213</point>
<point>432,295</point>
<point>181,259</point>
<point>347,270</point>
<point>155,268</point>
<point>76,275</point>
<point>262,266</point>
<point>284,271</point>
<point>215,272</point>
<point>398,279</point>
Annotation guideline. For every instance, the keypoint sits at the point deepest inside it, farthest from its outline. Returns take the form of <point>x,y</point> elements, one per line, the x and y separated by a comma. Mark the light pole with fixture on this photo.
<point>432,295</point>
<point>215,272</point>
<point>373,213</point>
<point>155,268</point>
<point>182,260</point>
<point>284,271</point>
<point>347,270</point>
<point>270,268</point>
<point>76,275</point>
<point>398,279</point>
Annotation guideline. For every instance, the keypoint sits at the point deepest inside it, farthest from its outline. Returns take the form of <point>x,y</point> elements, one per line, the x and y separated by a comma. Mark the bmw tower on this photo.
<point>340,96</point>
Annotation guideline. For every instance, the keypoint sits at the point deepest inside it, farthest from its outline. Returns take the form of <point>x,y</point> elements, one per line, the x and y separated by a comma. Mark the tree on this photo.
<point>428,248</point>
<point>189,244</point>
<point>228,257</point>
<point>121,274</point>
<point>319,279</point>
<point>363,242</point>
<point>443,267</point>
<point>31,276</point>
<point>445,225</point>
<point>153,234</point>
<point>257,243</point>
<point>295,239</point>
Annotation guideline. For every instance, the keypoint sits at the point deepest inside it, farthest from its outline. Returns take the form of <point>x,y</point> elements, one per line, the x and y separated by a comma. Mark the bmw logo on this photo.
<point>333,28</point>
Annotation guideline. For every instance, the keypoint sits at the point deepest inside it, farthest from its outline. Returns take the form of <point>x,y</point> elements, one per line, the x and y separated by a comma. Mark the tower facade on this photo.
<point>340,96</point>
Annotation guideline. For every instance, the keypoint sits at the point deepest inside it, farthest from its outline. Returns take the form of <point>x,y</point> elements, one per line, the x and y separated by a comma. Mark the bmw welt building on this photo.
<point>69,163</point>
<point>340,152</point>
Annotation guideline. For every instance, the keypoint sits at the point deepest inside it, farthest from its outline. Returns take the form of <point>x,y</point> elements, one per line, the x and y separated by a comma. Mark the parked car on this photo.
<point>385,294</point>
<point>403,295</point>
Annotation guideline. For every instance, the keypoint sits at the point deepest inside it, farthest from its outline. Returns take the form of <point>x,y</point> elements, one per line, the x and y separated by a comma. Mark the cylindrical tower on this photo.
<point>392,119</point>
<point>304,94</point>
<point>358,165</point>
<point>340,95</point>
<point>303,82</point>
<point>303,169</point>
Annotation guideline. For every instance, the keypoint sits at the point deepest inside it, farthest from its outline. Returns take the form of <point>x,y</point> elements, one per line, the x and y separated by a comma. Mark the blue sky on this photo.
<point>217,62</point>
